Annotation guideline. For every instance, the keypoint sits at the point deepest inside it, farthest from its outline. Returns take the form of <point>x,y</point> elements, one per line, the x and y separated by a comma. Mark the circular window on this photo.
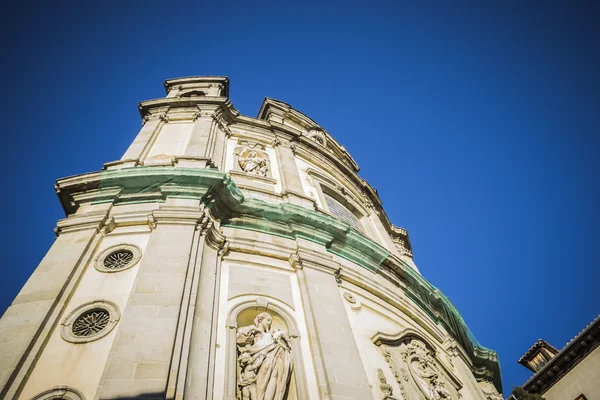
<point>90,321</point>
<point>60,392</point>
<point>118,258</point>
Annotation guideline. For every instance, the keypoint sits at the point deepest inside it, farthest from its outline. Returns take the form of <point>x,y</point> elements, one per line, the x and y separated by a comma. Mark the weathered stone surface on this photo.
<point>25,317</point>
<point>161,276</point>
<point>212,250</point>
<point>245,280</point>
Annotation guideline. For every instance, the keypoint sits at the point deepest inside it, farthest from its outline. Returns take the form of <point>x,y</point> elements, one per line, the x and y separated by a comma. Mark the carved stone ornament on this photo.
<point>317,135</point>
<point>349,297</point>
<point>90,321</point>
<point>384,387</point>
<point>118,258</point>
<point>60,392</point>
<point>253,159</point>
<point>264,361</point>
<point>424,372</point>
<point>420,374</point>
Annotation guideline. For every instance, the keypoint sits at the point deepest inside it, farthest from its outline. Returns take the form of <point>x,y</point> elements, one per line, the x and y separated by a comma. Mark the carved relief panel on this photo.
<point>252,158</point>
<point>418,373</point>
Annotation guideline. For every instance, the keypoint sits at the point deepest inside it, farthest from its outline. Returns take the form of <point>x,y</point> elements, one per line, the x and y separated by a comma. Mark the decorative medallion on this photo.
<point>317,135</point>
<point>118,258</point>
<point>90,321</point>
<point>350,298</point>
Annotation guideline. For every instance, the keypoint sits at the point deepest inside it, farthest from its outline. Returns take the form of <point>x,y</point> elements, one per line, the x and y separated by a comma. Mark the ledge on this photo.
<point>218,192</point>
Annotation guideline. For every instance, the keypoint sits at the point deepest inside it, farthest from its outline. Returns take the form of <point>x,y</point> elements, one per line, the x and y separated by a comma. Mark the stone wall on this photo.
<point>214,249</point>
<point>583,379</point>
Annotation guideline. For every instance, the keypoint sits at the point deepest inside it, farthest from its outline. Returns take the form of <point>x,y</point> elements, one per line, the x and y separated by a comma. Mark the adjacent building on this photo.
<point>230,257</point>
<point>572,373</point>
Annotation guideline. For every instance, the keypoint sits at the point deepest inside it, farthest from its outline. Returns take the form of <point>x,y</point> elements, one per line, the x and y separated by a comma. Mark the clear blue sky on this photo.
<point>477,122</point>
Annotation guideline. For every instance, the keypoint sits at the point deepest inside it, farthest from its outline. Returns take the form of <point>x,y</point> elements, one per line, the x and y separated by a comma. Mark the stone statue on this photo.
<point>386,389</point>
<point>253,160</point>
<point>264,361</point>
<point>438,388</point>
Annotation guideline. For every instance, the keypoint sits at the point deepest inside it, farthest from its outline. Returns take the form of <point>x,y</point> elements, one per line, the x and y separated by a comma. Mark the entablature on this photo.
<point>216,191</point>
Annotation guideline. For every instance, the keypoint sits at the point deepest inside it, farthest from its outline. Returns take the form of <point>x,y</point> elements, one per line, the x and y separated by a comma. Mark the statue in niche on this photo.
<point>253,159</point>
<point>264,361</point>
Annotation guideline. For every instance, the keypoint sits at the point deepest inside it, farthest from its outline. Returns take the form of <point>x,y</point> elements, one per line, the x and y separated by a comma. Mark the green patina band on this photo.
<point>227,203</point>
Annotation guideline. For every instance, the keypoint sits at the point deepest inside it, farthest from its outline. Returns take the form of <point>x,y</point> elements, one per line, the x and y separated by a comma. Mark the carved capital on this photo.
<point>196,115</point>
<point>217,116</point>
<point>295,261</point>
<point>164,117</point>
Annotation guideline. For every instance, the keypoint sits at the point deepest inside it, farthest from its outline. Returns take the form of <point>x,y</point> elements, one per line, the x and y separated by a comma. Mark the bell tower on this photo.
<point>231,257</point>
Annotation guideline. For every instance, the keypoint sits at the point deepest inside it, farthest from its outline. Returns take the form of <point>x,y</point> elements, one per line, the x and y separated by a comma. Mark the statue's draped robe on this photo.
<point>274,371</point>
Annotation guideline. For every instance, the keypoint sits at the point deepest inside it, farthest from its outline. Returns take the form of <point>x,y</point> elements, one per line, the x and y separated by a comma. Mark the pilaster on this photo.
<point>139,149</point>
<point>204,308</point>
<point>148,329</point>
<point>35,312</point>
<point>291,184</point>
<point>337,360</point>
<point>198,144</point>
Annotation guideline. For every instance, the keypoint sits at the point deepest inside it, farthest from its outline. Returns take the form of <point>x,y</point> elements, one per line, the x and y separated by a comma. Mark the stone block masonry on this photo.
<point>144,345</point>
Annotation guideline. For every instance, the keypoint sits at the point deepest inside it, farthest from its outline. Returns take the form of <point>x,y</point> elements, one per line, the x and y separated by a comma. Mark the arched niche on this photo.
<point>415,363</point>
<point>243,313</point>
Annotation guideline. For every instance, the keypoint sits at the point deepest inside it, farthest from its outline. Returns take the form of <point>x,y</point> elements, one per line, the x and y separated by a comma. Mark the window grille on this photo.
<point>340,211</point>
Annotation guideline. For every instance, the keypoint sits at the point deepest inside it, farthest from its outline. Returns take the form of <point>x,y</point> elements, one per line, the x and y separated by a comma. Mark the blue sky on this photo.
<point>478,123</point>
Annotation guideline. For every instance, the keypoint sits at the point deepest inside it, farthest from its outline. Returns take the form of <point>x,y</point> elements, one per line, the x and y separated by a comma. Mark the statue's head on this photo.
<point>264,320</point>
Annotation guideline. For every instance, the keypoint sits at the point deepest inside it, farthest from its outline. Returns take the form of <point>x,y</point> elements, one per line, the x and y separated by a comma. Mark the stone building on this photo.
<point>572,373</point>
<point>229,257</point>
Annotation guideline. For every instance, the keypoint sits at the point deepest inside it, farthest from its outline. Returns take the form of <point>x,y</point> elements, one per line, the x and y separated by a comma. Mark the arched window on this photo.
<point>193,93</point>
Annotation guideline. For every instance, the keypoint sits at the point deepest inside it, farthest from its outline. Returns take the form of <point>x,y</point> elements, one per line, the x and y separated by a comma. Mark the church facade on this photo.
<point>229,257</point>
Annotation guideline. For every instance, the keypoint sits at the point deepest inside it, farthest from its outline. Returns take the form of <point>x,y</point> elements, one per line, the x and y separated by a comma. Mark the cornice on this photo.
<point>76,223</point>
<point>227,204</point>
<point>228,117</point>
<point>193,102</point>
<point>191,80</point>
<point>286,112</point>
